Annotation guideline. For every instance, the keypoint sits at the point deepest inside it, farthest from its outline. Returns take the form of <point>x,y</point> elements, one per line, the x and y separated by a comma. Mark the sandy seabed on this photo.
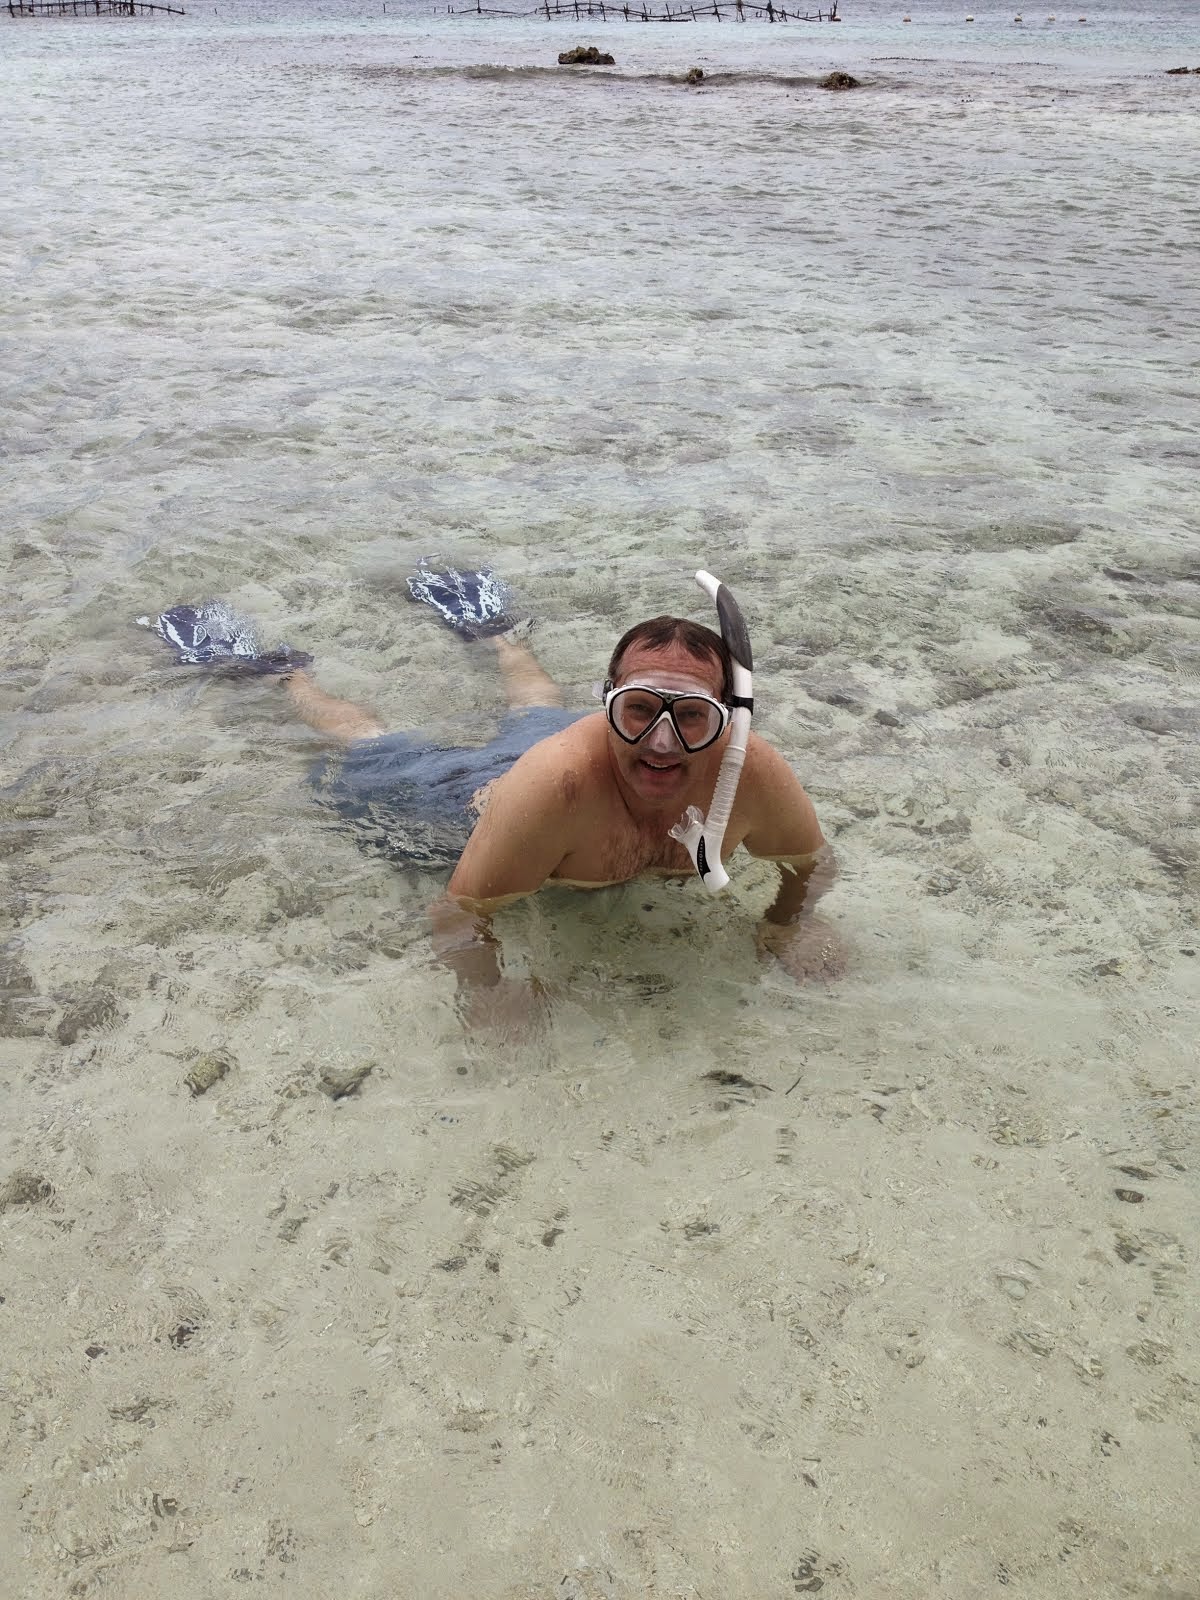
<point>719,1288</point>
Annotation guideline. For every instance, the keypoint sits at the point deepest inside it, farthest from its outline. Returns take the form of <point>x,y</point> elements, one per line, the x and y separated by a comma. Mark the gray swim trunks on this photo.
<point>411,800</point>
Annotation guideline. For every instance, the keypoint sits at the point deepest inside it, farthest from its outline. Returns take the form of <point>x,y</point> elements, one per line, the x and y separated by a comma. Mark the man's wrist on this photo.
<point>475,961</point>
<point>480,975</point>
<point>780,917</point>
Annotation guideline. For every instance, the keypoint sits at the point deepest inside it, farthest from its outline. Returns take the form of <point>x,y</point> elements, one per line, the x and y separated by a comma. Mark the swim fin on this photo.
<point>474,604</point>
<point>211,635</point>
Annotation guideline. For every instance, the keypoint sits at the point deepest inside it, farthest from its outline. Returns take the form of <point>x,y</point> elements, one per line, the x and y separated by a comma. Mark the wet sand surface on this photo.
<point>718,1286</point>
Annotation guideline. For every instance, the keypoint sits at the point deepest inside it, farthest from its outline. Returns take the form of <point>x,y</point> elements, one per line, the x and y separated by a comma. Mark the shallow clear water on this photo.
<point>298,294</point>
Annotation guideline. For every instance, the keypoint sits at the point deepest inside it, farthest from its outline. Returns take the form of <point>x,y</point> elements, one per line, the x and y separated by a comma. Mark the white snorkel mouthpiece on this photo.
<point>703,836</point>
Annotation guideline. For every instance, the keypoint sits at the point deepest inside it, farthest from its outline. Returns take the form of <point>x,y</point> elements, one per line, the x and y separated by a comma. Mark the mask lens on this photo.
<point>633,710</point>
<point>698,720</point>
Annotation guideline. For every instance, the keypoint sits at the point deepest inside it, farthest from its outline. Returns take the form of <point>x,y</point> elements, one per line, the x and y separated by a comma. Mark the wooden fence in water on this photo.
<point>88,8</point>
<point>603,10</point>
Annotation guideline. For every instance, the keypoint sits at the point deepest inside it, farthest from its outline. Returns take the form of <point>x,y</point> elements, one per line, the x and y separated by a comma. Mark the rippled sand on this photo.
<point>722,1288</point>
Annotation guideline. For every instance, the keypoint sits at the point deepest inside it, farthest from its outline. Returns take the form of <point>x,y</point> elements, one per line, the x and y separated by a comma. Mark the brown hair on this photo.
<point>696,639</point>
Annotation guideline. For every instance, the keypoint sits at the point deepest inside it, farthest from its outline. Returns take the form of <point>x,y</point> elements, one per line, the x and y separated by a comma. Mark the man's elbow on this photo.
<point>481,887</point>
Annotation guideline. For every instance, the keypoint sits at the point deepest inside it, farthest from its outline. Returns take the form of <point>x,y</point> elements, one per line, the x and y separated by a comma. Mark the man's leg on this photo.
<point>526,683</point>
<point>338,719</point>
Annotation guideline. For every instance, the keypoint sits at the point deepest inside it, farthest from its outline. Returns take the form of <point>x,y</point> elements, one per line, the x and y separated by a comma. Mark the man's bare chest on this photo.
<point>617,859</point>
<point>618,849</point>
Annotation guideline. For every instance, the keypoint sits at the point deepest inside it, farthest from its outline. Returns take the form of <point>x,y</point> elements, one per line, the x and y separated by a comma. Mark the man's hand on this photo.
<point>808,950</point>
<point>508,1008</point>
<point>514,1008</point>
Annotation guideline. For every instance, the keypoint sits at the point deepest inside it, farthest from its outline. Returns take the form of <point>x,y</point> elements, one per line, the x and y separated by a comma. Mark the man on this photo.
<point>586,800</point>
<point>590,801</point>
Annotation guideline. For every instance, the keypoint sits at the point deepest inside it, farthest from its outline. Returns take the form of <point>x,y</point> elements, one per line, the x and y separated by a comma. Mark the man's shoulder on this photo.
<point>583,738</point>
<point>559,767</point>
<point>763,760</point>
<point>777,814</point>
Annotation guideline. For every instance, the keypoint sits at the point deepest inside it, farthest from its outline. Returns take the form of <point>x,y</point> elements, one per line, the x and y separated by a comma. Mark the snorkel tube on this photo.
<point>703,836</point>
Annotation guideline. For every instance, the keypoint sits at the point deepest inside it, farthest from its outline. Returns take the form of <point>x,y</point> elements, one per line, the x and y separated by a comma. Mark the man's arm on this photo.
<point>526,829</point>
<point>521,837</point>
<point>803,880</point>
<point>785,830</point>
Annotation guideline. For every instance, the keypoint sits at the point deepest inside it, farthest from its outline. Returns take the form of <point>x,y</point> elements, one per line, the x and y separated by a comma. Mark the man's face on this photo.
<point>657,770</point>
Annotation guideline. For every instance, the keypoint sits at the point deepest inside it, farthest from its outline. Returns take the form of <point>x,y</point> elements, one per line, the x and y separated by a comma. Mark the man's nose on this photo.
<point>662,737</point>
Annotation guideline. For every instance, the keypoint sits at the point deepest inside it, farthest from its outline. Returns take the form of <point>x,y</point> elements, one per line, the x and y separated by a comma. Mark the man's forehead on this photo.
<point>671,660</point>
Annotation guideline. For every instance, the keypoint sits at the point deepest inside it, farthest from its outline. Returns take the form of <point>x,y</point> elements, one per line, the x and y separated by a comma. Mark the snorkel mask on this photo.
<point>703,836</point>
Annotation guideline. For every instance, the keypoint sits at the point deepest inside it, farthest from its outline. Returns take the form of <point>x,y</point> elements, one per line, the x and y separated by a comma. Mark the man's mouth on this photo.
<point>666,765</point>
